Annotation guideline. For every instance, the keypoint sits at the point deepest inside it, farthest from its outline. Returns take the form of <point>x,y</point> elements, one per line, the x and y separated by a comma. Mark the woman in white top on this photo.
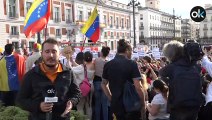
<point>158,107</point>
<point>85,102</point>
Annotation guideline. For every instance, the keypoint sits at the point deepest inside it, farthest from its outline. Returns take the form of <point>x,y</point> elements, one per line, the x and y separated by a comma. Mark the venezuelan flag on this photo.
<point>37,17</point>
<point>12,69</point>
<point>91,28</point>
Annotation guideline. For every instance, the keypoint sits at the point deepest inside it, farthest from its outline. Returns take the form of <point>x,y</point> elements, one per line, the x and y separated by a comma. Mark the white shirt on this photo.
<point>207,64</point>
<point>159,100</point>
<point>31,60</point>
<point>79,74</point>
<point>208,96</point>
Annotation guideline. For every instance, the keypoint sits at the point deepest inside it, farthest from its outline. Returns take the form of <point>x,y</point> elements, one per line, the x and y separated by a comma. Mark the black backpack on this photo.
<point>185,87</point>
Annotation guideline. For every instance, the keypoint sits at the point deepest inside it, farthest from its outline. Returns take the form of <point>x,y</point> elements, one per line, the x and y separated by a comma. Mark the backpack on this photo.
<point>131,99</point>
<point>185,87</point>
<point>85,86</point>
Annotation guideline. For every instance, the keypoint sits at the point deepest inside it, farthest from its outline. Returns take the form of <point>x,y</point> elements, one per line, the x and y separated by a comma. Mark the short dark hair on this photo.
<point>105,51</point>
<point>148,59</point>
<point>88,56</point>
<point>9,48</point>
<point>80,58</point>
<point>51,41</point>
<point>123,46</point>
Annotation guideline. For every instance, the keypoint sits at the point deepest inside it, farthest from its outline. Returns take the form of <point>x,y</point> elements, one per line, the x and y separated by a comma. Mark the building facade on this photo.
<point>206,28</point>
<point>157,27</point>
<point>67,18</point>
<point>190,30</point>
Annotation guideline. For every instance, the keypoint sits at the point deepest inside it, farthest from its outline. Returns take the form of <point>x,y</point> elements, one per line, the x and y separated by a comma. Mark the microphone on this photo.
<point>49,94</point>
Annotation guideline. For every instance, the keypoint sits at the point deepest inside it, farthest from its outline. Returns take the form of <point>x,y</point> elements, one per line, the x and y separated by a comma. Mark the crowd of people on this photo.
<point>176,87</point>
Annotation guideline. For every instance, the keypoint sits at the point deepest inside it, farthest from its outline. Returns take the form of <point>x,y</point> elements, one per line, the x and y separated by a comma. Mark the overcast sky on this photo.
<point>182,7</point>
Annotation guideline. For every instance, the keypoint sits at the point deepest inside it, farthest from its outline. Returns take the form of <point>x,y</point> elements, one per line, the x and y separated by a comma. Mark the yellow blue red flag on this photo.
<point>91,29</point>
<point>37,17</point>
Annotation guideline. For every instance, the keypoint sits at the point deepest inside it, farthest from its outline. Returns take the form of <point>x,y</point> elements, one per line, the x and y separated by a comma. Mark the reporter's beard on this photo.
<point>51,65</point>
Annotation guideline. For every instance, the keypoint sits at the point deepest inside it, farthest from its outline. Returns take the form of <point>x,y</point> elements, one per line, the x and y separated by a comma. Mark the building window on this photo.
<point>68,15</point>
<point>205,34</point>
<point>14,30</point>
<point>117,22</point>
<point>105,34</point>
<point>56,14</point>
<point>16,45</point>
<point>127,23</point>
<point>58,33</point>
<point>89,14</point>
<point>122,23</point>
<point>112,35</point>
<point>141,16</point>
<point>12,8</point>
<point>142,33</point>
<point>80,15</point>
<point>205,25</point>
<point>112,45</point>
<point>111,21</point>
<point>105,19</point>
<point>28,5</point>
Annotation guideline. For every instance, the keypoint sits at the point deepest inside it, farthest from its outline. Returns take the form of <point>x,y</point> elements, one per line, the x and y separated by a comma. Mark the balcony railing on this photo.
<point>117,27</point>
<point>105,36</point>
<point>58,36</point>
<point>68,21</point>
<point>14,33</point>
<point>111,36</point>
<point>141,27</point>
<point>111,26</point>
<point>12,15</point>
<point>117,36</point>
<point>57,20</point>
<point>205,28</point>
<point>205,20</point>
<point>47,34</point>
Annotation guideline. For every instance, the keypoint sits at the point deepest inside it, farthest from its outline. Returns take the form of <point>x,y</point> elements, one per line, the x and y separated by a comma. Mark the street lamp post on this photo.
<point>174,17</point>
<point>134,3</point>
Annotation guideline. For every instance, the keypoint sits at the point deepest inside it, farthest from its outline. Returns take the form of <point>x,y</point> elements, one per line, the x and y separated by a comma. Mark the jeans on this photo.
<point>101,102</point>
<point>184,113</point>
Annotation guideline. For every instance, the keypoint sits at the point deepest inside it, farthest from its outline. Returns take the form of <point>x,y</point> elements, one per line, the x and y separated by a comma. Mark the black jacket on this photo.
<point>31,93</point>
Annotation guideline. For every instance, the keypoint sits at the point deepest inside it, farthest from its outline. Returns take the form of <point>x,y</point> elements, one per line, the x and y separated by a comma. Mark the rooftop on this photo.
<point>210,8</point>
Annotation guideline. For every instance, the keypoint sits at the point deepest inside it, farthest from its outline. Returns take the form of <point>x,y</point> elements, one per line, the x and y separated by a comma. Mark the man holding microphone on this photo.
<point>49,90</point>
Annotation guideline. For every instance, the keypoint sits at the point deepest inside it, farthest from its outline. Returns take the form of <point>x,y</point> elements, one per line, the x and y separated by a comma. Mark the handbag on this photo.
<point>85,86</point>
<point>131,100</point>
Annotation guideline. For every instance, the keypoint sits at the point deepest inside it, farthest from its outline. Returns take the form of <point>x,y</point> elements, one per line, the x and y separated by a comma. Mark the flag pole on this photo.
<point>45,31</point>
<point>83,44</point>
<point>97,2</point>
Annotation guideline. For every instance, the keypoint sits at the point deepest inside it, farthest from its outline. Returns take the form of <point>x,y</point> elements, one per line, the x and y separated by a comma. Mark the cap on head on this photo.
<point>37,46</point>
